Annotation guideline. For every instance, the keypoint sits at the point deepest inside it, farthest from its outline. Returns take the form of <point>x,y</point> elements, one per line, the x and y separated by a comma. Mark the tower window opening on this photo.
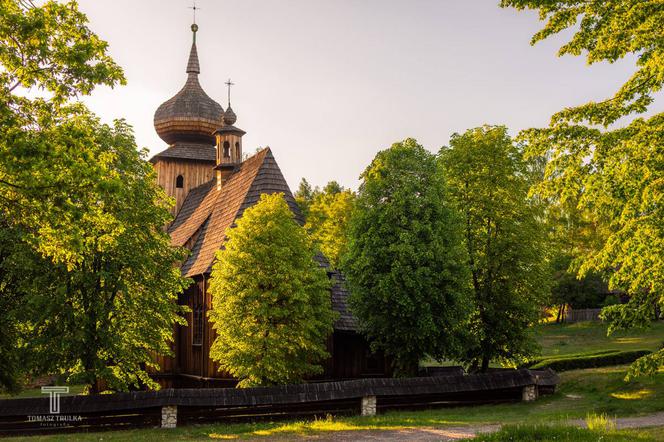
<point>227,149</point>
<point>179,182</point>
<point>237,150</point>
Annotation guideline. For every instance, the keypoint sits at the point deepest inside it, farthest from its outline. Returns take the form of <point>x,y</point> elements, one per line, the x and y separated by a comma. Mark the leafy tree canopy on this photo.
<point>327,223</point>
<point>614,173</point>
<point>406,265</point>
<point>271,302</point>
<point>96,297</point>
<point>505,241</point>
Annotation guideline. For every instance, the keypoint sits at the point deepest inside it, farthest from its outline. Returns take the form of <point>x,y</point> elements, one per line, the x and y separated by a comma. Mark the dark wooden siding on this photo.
<point>350,354</point>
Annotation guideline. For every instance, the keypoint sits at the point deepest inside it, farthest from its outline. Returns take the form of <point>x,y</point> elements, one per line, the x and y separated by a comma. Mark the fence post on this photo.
<point>529,393</point>
<point>369,406</point>
<point>169,416</point>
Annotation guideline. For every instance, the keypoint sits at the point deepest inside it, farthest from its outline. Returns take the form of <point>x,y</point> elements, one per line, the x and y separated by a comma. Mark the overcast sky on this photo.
<point>328,83</point>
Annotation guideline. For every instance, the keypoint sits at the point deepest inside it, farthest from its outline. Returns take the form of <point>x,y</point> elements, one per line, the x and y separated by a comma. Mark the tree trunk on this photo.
<point>485,364</point>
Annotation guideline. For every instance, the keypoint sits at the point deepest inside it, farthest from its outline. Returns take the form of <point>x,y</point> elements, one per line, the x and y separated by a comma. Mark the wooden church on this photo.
<point>204,170</point>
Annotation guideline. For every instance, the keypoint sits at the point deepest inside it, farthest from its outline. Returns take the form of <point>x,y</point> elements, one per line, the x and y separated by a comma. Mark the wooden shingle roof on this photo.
<point>188,151</point>
<point>191,115</point>
<point>207,213</point>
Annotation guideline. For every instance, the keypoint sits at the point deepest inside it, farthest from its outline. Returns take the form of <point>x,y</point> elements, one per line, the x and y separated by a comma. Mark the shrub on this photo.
<point>600,422</point>
<point>574,362</point>
<point>535,361</point>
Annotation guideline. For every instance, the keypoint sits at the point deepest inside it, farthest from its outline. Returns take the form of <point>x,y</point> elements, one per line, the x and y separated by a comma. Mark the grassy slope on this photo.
<point>587,337</point>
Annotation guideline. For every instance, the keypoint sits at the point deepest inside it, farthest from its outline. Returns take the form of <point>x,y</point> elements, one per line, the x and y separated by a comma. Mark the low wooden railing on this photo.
<point>171,407</point>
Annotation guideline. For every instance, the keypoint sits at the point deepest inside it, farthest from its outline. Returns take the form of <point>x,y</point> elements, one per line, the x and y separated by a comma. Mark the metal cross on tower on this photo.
<point>229,84</point>
<point>194,8</point>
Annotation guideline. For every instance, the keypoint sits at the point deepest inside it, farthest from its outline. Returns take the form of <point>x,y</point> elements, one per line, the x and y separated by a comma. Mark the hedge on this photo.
<point>535,361</point>
<point>574,362</point>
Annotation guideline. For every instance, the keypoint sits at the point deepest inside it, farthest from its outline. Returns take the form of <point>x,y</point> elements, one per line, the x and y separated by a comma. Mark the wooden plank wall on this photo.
<point>194,173</point>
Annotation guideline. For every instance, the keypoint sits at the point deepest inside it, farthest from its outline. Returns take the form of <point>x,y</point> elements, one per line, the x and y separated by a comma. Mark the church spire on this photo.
<point>191,116</point>
<point>193,67</point>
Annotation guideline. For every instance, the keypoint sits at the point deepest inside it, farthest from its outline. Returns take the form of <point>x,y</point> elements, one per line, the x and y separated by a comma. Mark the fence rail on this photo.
<point>583,314</point>
<point>186,406</point>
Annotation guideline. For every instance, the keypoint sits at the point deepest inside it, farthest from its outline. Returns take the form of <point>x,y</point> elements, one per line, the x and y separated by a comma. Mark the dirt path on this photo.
<point>652,420</point>
<point>427,434</point>
<point>420,434</point>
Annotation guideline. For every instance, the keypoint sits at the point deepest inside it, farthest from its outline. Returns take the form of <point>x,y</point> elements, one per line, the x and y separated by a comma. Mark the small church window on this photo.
<point>227,149</point>
<point>179,182</point>
<point>237,150</point>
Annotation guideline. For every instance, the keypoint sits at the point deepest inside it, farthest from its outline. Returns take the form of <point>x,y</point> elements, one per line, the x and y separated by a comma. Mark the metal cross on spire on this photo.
<point>229,84</point>
<point>194,8</point>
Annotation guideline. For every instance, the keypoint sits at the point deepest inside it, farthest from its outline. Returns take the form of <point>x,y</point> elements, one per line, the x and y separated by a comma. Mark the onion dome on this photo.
<point>229,116</point>
<point>191,115</point>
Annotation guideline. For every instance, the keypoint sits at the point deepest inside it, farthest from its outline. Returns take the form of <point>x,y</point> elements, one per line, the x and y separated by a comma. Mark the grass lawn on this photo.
<point>598,390</point>
<point>530,433</point>
<point>588,337</point>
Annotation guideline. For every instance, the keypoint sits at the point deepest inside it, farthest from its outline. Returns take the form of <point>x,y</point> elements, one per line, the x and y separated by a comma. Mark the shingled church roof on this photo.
<point>207,213</point>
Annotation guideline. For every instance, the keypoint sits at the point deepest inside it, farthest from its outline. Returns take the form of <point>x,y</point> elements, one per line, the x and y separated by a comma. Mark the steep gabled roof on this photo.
<point>207,213</point>
<point>210,212</point>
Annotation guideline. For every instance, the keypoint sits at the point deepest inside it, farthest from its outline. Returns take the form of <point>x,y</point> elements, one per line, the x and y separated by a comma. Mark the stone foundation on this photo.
<point>529,393</point>
<point>169,416</point>
<point>369,406</point>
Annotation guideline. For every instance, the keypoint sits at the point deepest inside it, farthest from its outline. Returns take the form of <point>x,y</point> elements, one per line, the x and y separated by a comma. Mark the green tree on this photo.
<point>603,157</point>
<point>97,297</point>
<point>505,242</point>
<point>327,223</point>
<point>304,196</point>
<point>332,188</point>
<point>271,302</point>
<point>406,265</point>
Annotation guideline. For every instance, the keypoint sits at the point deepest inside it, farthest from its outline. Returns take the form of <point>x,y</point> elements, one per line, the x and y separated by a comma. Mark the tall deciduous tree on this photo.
<point>406,265</point>
<point>271,302</point>
<point>304,196</point>
<point>505,243</point>
<point>327,223</point>
<point>97,299</point>
<point>615,173</point>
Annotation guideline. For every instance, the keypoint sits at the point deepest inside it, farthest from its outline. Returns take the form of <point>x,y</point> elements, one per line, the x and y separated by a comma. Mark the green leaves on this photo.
<point>608,31</point>
<point>505,241</point>
<point>95,295</point>
<point>51,47</point>
<point>614,177</point>
<point>271,302</point>
<point>327,223</point>
<point>405,263</point>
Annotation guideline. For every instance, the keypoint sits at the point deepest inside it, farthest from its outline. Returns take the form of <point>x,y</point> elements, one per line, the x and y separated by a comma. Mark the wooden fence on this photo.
<point>171,407</point>
<point>582,314</point>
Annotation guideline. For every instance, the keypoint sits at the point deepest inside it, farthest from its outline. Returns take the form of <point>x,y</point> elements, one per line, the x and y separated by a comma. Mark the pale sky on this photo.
<point>328,83</point>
